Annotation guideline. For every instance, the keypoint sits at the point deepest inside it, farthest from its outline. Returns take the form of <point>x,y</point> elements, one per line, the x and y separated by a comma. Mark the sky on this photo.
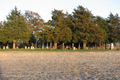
<point>45,7</point>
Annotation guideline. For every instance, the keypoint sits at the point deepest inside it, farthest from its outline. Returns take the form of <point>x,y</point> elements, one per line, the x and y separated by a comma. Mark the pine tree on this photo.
<point>1,33</point>
<point>113,27</point>
<point>62,32</point>
<point>104,25</point>
<point>1,25</point>
<point>81,25</point>
<point>47,34</point>
<point>98,35</point>
<point>16,28</point>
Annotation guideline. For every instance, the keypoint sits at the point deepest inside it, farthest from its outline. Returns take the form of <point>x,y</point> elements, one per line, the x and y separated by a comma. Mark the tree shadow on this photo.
<point>1,76</point>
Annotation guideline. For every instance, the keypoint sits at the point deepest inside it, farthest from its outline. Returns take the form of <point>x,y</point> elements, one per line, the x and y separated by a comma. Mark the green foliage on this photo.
<point>82,18</point>
<point>65,35</point>
<point>1,25</point>
<point>61,32</point>
<point>4,35</point>
<point>114,28</point>
<point>32,39</point>
<point>56,35</point>
<point>104,25</point>
<point>1,32</point>
<point>47,34</point>
<point>87,28</point>
<point>15,28</point>
<point>79,27</point>
<point>97,34</point>
<point>57,18</point>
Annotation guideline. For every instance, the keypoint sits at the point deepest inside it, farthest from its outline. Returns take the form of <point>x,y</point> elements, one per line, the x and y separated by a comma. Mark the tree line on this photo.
<point>80,27</point>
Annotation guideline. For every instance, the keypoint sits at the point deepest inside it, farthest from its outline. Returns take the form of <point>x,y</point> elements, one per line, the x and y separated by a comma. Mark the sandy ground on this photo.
<point>60,65</point>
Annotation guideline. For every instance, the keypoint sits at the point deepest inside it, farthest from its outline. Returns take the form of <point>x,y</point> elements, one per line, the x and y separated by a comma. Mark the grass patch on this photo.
<point>54,50</point>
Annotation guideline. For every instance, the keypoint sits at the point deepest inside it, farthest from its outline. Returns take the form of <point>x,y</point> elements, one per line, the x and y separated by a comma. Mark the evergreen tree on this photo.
<point>16,28</point>
<point>81,30</point>
<point>113,25</point>
<point>62,32</point>
<point>47,34</point>
<point>104,25</point>
<point>1,32</point>
<point>97,34</point>
<point>1,25</point>
<point>57,18</point>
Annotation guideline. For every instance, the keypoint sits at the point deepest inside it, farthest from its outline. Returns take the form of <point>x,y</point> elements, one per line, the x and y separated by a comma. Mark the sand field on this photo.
<point>26,65</point>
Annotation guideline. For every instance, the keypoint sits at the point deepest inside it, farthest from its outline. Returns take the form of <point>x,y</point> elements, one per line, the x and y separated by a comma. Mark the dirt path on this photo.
<point>60,65</point>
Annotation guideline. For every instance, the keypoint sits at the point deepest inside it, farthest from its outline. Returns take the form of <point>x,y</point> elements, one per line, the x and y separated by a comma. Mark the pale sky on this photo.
<point>44,7</point>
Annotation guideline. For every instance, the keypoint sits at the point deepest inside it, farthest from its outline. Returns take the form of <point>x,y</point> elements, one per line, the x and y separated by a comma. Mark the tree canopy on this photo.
<point>114,28</point>
<point>79,27</point>
<point>61,32</point>
<point>15,28</point>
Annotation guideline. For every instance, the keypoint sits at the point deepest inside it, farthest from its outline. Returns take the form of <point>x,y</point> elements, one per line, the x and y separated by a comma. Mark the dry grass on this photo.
<point>28,65</point>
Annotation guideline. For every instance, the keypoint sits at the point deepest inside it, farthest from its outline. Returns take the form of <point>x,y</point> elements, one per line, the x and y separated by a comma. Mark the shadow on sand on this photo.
<point>1,77</point>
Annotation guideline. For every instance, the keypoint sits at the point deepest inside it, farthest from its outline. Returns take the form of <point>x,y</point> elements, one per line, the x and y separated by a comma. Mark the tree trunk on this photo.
<point>47,45</point>
<point>63,46</point>
<point>79,46</point>
<point>55,45</point>
<point>72,45</point>
<point>50,45</point>
<point>84,46</point>
<point>95,46</point>
<point>42,45</point>
<point>36,45</point>
<point>69,46</point>
<point>88,46</point>
<point>105,45</point>
<point>14,44</point>
<point>99,45</point>
<point>110,45</point>
<point>102,46</point>
<point>119,46</point>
